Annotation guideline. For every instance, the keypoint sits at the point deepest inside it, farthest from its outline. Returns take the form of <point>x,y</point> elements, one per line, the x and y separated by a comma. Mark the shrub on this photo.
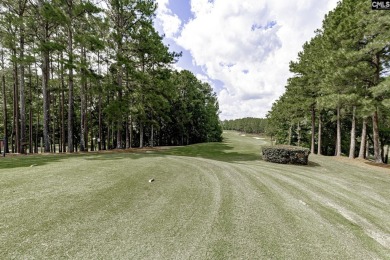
<point>286,154</point>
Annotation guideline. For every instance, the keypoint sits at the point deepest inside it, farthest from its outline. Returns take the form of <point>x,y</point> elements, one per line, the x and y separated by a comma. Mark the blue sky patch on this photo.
<point>182,9</point>
<point>269,25</point>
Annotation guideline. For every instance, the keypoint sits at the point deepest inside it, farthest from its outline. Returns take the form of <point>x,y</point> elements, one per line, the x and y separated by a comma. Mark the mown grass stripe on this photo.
<point>316,198</point>
<point>208,201</point>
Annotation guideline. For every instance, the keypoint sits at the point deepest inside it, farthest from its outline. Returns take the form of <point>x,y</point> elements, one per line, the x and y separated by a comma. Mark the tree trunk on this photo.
<point>100,122</point>
<point>375,128</point>
<point>22,86</point>
<point>92,142</point>
<point>54,149</point>
<point>63,141</point>
<point>290,133</point>
<point>363,142</point>
<point>36,137</point>
<point>141,135</point>
<point>38,112</point>
<point>108,137</point>
<point>375,123</point>
<point>45,84</point>
<point>83,103</point>
<point>16,108</point>
<point>299,134</point>
<point>46,101</point>
<point>113,136</point>
<point>5,117</point>
<point>127,133</point>
<point>152,137</point>
<point>30,112</point>
<point>338,140</point>
<point>53,105</point>
<point>70,80</point>
<point>119,134</point>
<point>131,132</point>
<point>119,129</point>
<point>119,23</point>
<point>319,145</point>
<point>353,135</point>
<point>100,108</point>
<point>313,129</point>
<point>86,121</point>
<point>13,136</point>
<point>383,153</point>
<point>119,122</point>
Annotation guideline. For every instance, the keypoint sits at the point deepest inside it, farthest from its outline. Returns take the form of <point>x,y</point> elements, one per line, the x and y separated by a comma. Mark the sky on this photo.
<point>242,48</point>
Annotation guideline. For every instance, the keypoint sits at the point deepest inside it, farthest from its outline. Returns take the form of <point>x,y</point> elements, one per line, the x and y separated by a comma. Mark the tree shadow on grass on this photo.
<point>222,152</point>
<point>36,160</point>
<point>12,161</point>
<point>381,165</point>
<point>312,164</point>
<point>213,151</point>
<point>105,158</point>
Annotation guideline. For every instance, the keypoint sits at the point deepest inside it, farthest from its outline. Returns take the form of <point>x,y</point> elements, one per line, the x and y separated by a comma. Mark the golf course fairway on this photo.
<point>207,201</point>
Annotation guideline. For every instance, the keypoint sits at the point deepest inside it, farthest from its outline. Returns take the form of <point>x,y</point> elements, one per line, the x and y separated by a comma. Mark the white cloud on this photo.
<point>201,7</point>
<point>247,45</point>
<point>203,78</point>
<point>167,22</point>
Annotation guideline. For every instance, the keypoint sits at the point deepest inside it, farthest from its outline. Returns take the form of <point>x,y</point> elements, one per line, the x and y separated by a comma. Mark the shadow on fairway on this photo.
<point>11,162</point>
<point>385,166</point>
<point>105,158</point>
<point>213,151</point>
<point>220,152</point>
<point>312,164</point>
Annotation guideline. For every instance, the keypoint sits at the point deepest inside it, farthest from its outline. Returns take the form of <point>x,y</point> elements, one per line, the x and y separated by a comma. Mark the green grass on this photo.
<point>208,201</point>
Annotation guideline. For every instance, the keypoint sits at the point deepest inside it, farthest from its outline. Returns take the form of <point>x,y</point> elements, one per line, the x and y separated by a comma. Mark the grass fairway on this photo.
<point>208,201</point>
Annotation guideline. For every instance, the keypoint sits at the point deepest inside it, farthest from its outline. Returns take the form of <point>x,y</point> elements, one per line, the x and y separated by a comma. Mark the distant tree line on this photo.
<point>79,75</point>
<point>247,125</point>
<point>338,101</point>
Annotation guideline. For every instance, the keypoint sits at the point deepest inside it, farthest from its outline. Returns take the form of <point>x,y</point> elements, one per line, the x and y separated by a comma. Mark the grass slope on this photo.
<point>208,201</point>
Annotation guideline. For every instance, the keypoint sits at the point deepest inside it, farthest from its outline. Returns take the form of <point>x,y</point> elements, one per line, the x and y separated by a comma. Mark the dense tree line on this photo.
<point>78,75</point>
<point>338,100</point>
<point>247,125</point>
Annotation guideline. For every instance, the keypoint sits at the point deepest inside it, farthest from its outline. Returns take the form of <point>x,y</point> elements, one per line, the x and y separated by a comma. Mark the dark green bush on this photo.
<point>286,154</point>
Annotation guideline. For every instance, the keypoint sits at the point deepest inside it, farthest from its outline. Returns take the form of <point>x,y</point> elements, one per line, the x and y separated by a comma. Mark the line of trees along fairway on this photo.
<point>249,125</point>
<point>75,76</point>
<point>338,100</point>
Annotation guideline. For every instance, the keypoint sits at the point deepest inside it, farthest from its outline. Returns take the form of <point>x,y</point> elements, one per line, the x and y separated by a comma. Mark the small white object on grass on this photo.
<point>151,180</point>
<point>32,165</point>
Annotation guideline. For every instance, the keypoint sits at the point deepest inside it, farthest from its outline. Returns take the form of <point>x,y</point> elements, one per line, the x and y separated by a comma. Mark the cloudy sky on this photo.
<point>241,47</point>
